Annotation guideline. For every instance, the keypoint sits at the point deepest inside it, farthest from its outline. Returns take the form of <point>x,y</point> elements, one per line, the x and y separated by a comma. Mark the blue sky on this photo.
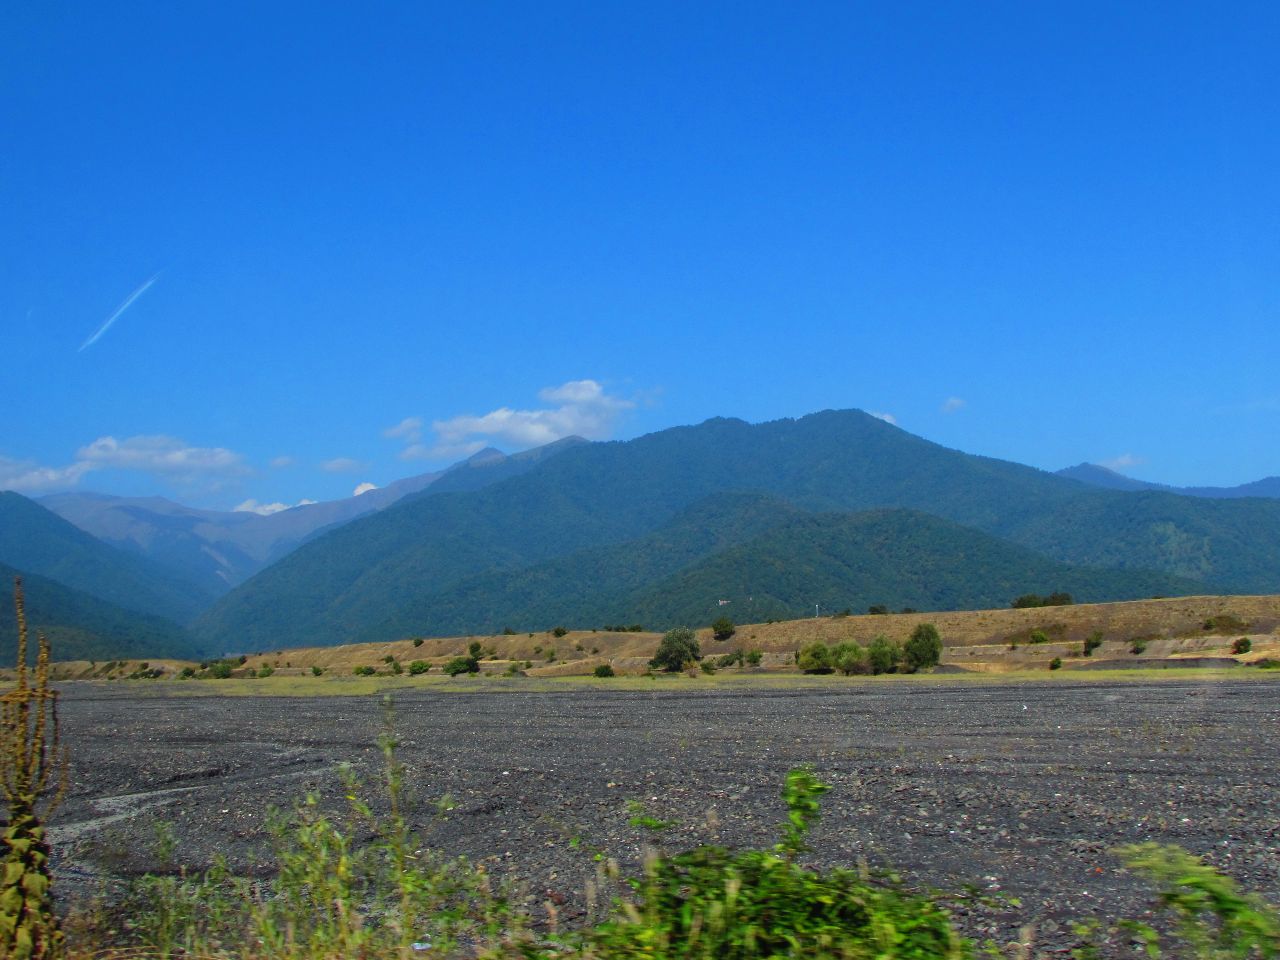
<point>1045,232</point>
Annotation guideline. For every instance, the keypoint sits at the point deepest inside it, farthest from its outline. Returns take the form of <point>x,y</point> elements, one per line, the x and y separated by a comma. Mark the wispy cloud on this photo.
<point>952,404</point>
<point>364,488</point>
<point>341,465</point>
<point>267,509</point>
<point>128,302</point>
<point>886,417</point>
<point>1126,461</point>
<point>26,476</point>
<point>169,458</point>
<point>578,408</point>
<point>279,463</point>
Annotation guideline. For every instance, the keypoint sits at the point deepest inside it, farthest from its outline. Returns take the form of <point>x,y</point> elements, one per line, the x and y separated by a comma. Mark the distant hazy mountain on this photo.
<point>82,627</point>
<point>381,575</point>
<point>1097,476</point>
<point>40,542</point>
<point>216,550</point>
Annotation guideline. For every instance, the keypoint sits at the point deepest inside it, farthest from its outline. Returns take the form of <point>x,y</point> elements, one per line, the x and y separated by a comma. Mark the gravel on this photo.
<point>1018,789</point>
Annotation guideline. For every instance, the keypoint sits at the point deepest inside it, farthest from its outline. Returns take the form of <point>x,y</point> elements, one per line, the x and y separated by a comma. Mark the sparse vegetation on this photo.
<point>1092,642</point>
<point>364,670</point>
<point>33,769</point>
<point>603,671</point>
<point>1030,600</point>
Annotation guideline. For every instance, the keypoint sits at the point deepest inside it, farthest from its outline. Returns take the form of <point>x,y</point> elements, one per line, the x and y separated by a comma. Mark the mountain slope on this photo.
<point>38,541</point>
<point>898,558</point>
<point>736,546</point>
<point>82,627</point>
<point>379,570</point>
<point>1097,476</point>
<point>215,550</point>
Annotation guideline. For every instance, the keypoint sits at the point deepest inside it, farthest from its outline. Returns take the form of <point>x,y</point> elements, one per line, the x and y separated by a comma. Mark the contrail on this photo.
<point>128,302</point>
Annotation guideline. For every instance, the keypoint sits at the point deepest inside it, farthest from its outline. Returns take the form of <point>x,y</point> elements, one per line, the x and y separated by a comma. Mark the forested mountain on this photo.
<point>384,575</point>
<point>82,627</point>
<point>40,542</point>
<point>215,550</point>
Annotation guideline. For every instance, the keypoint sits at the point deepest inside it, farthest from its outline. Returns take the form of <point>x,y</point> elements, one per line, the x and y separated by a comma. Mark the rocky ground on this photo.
<point>1017,788</point>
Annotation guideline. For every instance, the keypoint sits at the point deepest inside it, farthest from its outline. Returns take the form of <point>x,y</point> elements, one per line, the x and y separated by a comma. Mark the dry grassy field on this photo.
<point>978,640</point>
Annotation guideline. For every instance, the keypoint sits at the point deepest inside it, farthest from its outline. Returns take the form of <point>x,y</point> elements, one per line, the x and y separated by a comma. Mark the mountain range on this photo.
<point>837,509</point>
<point>1097,476</point>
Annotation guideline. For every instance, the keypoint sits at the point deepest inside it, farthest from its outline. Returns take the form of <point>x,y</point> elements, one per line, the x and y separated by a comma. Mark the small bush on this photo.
<point>1038,636</point>
<point>317,671</point>
<point>396,669</point>
<point>849,658</point>
<point>878,609</point>
<point>723,628</point>
<point>923,648</point>
<point>266,672</point>
<point>508,632</point>
<point>883,655</point>
<point>1055,663</point>
<point>559,632</point>
<point>460,665</point>
<point>417,641</point>
<point>364,671</point>
<point>754,657</point>
<point>1092,642</point>
<point>388,659</point>
<point>418,667</point>
<point>603,671</point>
<point>1139,645</point>
<point>1243,645</point>
<point>707,667</point>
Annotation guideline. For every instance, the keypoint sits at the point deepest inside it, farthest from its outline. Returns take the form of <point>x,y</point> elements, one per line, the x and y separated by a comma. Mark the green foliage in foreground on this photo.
<point>678,649</point>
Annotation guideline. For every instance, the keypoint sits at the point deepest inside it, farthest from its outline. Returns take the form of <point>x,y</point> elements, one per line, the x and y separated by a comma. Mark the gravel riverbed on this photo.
<point>1018,788</point>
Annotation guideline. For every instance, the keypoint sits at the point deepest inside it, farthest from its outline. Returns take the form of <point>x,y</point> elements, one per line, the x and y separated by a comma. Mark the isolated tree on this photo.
<point>723,628</point>
<point>849,658</point>
<point>923,648</point>
<point>679,647</point>
<point>33,768</point>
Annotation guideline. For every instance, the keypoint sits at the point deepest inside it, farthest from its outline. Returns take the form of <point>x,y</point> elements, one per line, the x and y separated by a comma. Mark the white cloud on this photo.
<point>1123,462</point>
<point>886,417</point>
<point>409,430</point>
<point>951,404</point>
<point>261,509</point>
<point>25,476</point>
<point>364,488</point>
<point>280,463</point>
<point>166,457</point>
<point>266,509</point>
<point>577,408</point>
<point>341,465</point>
<point>304,502</point>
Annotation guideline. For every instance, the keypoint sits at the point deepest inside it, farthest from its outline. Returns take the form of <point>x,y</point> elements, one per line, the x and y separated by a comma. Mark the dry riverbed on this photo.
<point>1019,788</point>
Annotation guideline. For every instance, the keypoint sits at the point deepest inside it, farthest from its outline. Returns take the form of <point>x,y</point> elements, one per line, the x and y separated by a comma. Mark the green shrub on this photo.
<point>559,632</point>
<point>418,667</point>
<point>878,609</point>
<point>364,671</point>
<point>710,902</point>
<point>883,655</point>
<point>417,641</point>
<point>266,672</point>
<point>707,667</point>
<point>754,657</point>
<point>815,658</point>
<point>1055,663</point>
<point>679,647</point>
<point>462,665</point>
<point>1243,645</point>
<point>1038,636</point>
<point>396,669</point>
<point>388,659</point>
<point>723,628</point>
<point>603,670</point>
<point>220,669</point>
<point>1139,645</point>
<point>508,632</point>
<point>923,648</point>
<point>317,671</point>
<point>849,658</point>
<point>1092,642</point>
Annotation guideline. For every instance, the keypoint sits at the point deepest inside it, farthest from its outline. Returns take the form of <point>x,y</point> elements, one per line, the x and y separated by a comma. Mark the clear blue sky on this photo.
<point>1045,232</point>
